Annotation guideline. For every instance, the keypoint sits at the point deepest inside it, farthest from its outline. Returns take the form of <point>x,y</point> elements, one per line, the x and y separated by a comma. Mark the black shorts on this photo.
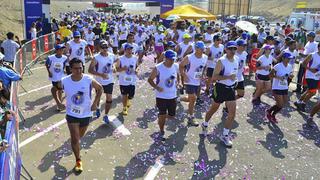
<point>166,106</point>
<point>262,77</point>
<point>222,93</point>
<point>191,89</point>
<point>240,85</point>
<point>82,121</point>
<point>312,84</point>
<point>108,89</point>
<point>210,72</point>
<point>57,85</point>
<point>128,90</point>
<point>280,92</point>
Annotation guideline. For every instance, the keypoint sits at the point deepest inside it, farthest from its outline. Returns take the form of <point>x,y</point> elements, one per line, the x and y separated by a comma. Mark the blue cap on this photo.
<point>231,44</point>
<point>267,47</point>
<point>171,43</point>
<point>287,55</point>
<point>241,42</point>
<point>90,28</point>
<point>244,35</point>
<point>76,34</point>
<point>200,45</point>
<point>128,46</point>
<point>59,46</point>
<point>169,54</point>
<point>311,34</point>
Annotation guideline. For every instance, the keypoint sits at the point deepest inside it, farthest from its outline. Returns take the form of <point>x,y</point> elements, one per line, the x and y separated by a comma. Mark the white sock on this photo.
<point>205,123</point>
<point>226,131</point>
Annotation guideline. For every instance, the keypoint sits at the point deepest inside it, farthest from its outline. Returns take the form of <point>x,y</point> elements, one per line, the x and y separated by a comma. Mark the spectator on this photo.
<point>287,30</point>
<point>55,26</point>
<point>7,75</point>
<point>39,27</point>
<point>261,36</point>
<point>9,48</point>
<point>33,31</point>
<point>5,113</point>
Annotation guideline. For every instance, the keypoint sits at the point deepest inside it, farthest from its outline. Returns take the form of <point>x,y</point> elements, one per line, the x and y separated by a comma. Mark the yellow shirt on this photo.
<point>104,26</point>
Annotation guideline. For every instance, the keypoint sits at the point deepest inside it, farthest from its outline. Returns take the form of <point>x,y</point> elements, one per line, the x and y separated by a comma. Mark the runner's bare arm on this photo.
<point>97,86</point>
<point>216,73</point>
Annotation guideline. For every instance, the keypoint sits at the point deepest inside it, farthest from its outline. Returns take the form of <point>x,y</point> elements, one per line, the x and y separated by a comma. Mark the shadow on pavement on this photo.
<point>310,133</point>
<point>52,159</point>
<point>275,141</point>
<point>257,115</point>
<point>165,152</point>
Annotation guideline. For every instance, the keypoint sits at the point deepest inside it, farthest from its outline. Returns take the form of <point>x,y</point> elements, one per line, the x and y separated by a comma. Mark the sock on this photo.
<point>278,109</point>
<point>299,101</point>
<point>226,131</point>
<point>205,123</point>
<point>274,107</point>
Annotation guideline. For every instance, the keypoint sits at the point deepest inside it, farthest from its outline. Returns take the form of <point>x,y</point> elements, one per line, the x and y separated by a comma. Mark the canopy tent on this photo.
<point>189,12</point>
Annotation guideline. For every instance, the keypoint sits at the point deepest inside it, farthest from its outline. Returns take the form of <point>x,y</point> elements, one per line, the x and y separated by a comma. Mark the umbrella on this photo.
<point>247,26</point>
<point>172,17</point>
<point>189,12</point>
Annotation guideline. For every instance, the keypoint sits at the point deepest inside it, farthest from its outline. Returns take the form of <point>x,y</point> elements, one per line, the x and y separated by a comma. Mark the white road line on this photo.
<point>36,136</point>
<point>154,170</point>
<point>119,127</point>
<point>35,90</point>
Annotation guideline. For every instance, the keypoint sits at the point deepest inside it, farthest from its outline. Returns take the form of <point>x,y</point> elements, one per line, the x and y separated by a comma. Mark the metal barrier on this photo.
<point>26,56</point>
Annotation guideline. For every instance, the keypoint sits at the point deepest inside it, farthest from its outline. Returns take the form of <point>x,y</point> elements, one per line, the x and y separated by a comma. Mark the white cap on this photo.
<point>1,56</point>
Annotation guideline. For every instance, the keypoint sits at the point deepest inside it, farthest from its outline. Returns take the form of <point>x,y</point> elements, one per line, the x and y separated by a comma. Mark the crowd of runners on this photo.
<point>187,55</point>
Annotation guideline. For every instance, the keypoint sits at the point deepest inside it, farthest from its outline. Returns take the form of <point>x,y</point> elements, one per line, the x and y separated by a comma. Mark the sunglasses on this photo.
<point>104,47</point>
<point>77,37</point>
<point>232,48</point>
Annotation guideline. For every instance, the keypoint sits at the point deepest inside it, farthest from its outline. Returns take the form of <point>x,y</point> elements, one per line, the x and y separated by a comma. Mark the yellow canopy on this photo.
<point>189,12</point>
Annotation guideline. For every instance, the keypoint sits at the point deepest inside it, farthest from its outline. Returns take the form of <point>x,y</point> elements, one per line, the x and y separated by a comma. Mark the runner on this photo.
<point>77,88</point>
<point>263,83</point>
<point>225,73</point>
<point>167,77</point>
<point>191,69</point>
<point>76,49</point>
<point>55,65</point>
<point>312,65</point>
<point>280,74</point>
<point>127,67</point>
<point>242,55</point>
<point>214,52</point>
<point>159,39</point>
<point>184,48</point>
<point>102,66</point>
<point>170,46</point>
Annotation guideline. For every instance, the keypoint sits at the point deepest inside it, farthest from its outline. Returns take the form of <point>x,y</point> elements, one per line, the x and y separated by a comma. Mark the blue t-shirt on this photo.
<point>8,75</point>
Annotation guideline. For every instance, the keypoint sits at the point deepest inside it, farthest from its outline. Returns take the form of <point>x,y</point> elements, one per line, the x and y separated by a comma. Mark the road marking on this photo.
<point>36,136</point>
<point>119,127</point>
<point>35,90</point>
<point>154,170</point>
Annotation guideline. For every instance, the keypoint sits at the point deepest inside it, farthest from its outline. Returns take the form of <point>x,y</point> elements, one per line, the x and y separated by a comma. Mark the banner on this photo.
<point>34,49</point>
<point>46,43</point>
<point>32,11</point>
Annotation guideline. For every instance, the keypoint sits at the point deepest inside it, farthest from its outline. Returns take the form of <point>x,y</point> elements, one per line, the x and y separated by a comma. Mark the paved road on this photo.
<point>288,150</point>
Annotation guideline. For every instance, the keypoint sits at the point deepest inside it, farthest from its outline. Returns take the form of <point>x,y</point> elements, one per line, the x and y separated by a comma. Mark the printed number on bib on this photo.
<point>128,78</point>
<point>283,83</point>
<point>197,75</point>
<point>76,109</point>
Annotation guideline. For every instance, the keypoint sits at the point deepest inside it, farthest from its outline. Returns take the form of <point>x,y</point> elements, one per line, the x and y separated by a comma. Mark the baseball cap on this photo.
<point>171,44</point>
<point>269,38</point>
<point>311,34</point>
<point>103,43</point>
<point>186,36</point>
<point>231,44</point>
<point>90,28</point>
<point>76,34</point>
<point>198,36</point>
<point>267,47</point>
<point>241,42</point>
<point>128,46</point>
<point>58,46</point>
<point>169,54</point>
<point>200,45</point>
<point>216,37</point>
<point>287,55</point>
<point>244,35</point>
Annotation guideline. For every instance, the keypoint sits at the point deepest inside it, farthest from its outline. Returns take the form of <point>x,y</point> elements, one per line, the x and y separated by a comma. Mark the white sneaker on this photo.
<point>226,140</point>
<point>204,129</point>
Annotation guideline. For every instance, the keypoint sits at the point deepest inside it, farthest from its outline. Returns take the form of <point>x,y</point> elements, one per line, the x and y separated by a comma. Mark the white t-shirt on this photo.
<point>10,48</point>
<point>167,79</point>
<point>77,50</point>
<point>264,61</point>
<point>242,58</point>
<point>214,54</point>
<point>195,69</point>
<point>310,47</point>
<point>89,38</point>
<point>229,68</point>
<point>56,67</point>
<point>281,71</point>
<point>128,77</point>
<point>105,65</point>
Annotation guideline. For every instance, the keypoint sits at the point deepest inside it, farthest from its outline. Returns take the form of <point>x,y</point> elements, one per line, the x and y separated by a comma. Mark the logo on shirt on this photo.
<point>170,81</point>
<point>78,98</point>
<point>57,67</point>
<point>200,68</point>
<point>130,70</point>
<point>241,62</point>
<point>218,55</point>
<point>79,51</point>
<point>107,69</point>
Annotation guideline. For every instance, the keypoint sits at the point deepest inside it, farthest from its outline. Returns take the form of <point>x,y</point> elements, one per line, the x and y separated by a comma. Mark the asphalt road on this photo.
<point>288,150</point>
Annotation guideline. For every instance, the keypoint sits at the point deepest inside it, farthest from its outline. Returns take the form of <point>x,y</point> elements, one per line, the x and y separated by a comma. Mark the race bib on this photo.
<point>197,75</point>
<point>128,79</point>
<point>77,109</point>
<point>283,83</point>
